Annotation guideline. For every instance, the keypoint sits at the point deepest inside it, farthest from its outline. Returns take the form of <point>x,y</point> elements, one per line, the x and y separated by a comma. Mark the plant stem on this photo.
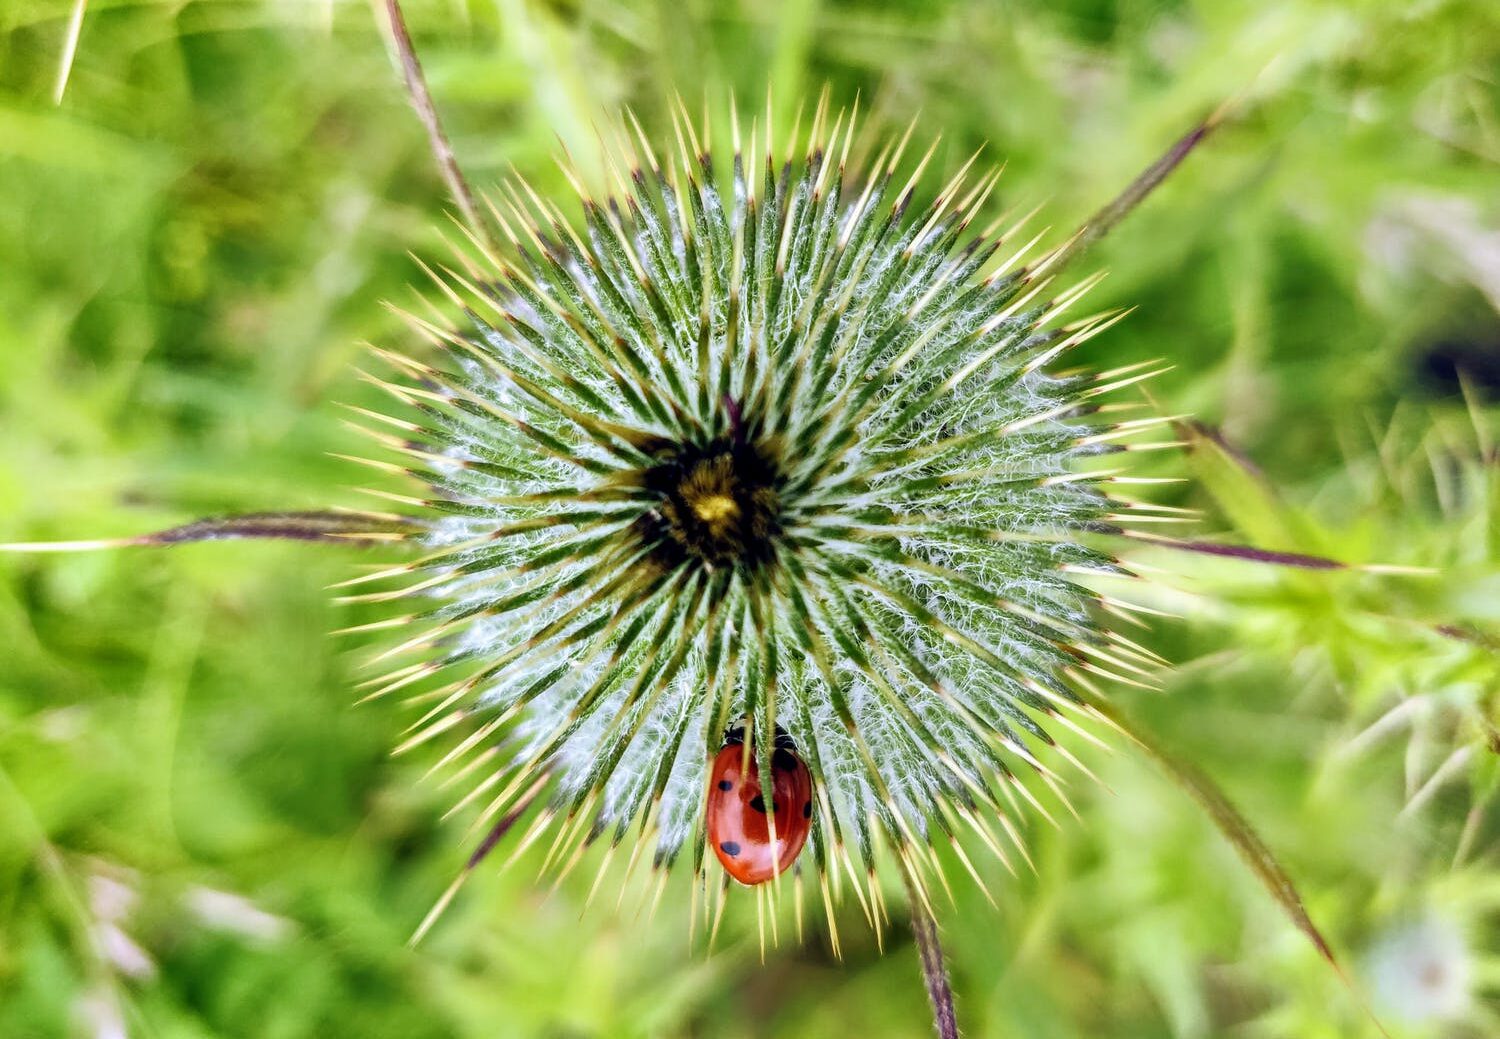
<point>1149,179</point>
<point>934,975</point>
<point>421,101</point>
<point>311,525</point>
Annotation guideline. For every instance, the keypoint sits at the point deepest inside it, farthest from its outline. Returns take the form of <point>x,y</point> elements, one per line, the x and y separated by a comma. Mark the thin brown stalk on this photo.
<point>496,834</point>
<point>1136,192</point>
<point>421,101</point>
<point>1245,840</point>
<point>934,975</point>
<point>320,525</point>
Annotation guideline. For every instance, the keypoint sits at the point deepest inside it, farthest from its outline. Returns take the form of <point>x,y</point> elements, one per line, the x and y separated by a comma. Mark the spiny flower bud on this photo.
<point>791,455</point>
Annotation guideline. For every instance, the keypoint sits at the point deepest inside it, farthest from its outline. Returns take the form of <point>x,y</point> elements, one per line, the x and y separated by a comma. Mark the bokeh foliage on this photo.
<point>195,241</point>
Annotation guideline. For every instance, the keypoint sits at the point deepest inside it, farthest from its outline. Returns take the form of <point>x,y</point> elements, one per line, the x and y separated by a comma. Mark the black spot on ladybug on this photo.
<point>759,804</point>
<point>730,848</point>
<point>807,810</point>
<point>784,761</point>
<point>725,784</point>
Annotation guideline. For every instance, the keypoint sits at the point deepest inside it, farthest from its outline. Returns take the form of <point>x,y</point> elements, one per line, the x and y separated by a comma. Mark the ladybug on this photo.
<point>739,828</point>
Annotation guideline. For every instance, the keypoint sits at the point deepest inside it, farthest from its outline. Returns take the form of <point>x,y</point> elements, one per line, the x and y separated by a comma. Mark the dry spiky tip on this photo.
<point>785,448</point>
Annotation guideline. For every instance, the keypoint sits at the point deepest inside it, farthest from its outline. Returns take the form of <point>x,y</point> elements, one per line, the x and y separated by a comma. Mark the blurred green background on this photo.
<point>199,836</point>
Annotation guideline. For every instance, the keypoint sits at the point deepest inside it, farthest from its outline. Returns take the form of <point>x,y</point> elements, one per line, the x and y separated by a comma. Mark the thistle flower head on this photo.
<point>786,451</point>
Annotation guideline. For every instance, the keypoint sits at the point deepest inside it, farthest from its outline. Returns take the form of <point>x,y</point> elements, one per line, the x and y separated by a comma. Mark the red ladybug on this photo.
<point>738,827</point>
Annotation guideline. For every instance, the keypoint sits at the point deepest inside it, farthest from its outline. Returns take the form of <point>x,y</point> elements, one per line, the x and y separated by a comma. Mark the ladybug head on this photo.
<point>734,736</point>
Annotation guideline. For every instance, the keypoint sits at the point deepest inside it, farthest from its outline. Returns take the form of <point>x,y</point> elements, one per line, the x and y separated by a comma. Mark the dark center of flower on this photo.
<point>719,504</point>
